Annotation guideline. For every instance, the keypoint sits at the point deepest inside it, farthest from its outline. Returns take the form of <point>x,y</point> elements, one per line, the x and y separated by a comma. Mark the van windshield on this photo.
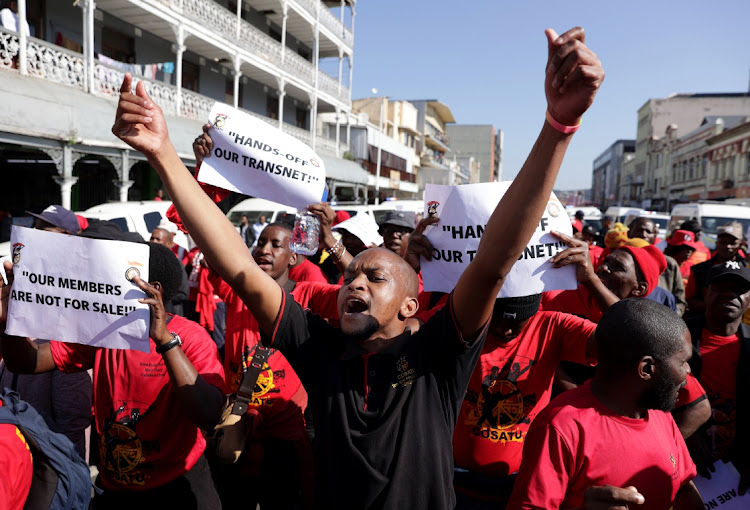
<point>252,216</point>
<point>711,224</point>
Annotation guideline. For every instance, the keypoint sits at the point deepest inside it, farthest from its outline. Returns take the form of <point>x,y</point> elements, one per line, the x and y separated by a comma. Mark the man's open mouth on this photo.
<point>355,305</point>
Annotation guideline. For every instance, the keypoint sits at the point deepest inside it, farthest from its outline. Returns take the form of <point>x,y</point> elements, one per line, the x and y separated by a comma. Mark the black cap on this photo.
<point>400,219</point>
<point>692,225</point>
<point>516,308</point>
<point>729,269</point>
<point>60,217</point>
<point>579,215</point>
<point>102,229</point>
<point>589,229</point>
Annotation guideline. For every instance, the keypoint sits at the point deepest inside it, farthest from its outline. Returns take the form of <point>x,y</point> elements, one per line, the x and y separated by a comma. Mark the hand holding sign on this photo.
<point>5,292</point>
<point>419,247</point>
<point>577,253</point>
<point>158,324</point>
<point>203,145</point>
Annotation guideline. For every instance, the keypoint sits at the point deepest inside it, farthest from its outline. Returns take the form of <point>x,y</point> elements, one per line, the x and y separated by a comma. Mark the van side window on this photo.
<point>152,220</point>
<point>122,223</point>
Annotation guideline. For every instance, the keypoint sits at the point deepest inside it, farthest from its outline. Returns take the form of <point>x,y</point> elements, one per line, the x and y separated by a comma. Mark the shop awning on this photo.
<point>344,170</point>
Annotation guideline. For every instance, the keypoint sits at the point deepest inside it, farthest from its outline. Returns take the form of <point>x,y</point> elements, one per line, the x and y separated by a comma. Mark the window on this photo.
<point>118,46</point>
<point>190,74</point>
<point>229,92</point>
<point>152,220</point>
<point>300,118</point>
<point>272,107</point>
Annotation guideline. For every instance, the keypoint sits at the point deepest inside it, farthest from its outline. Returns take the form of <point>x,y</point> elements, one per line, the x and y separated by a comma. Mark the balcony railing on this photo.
<point>65,67</point>
<point>329,84</point>
<point>334,25</point>
<point>223,21</point>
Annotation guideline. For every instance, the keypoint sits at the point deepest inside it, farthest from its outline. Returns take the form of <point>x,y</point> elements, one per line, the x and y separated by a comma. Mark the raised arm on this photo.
<point>140,123</point>
<point>573,75</point>
<point>335,249</point>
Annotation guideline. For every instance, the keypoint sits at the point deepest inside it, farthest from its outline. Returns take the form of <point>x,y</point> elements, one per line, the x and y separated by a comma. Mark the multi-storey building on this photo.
<point>60,83</point>
<point>686,112</point>
<point>607,170</point>
<point>480,141</point>
<point>386,133</point>
<point>709,163</point>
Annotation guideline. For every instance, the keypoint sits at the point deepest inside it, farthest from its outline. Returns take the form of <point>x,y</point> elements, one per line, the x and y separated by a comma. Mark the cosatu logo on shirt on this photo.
<point>500,406</point>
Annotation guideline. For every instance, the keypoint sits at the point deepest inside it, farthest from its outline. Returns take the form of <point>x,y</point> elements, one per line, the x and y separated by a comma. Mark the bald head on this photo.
<point>403,271</point>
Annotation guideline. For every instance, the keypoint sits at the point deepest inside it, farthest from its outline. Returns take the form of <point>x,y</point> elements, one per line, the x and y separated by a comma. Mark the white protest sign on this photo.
<point>364,227</point>
<point>252,157</point>
<point>75,289</point>
<point>464,212</point>
<point>721,490</point>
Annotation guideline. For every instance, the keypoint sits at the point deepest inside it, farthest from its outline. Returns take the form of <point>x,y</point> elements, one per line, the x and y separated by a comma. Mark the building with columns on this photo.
<point>643,180</point>
<point>61,80</point>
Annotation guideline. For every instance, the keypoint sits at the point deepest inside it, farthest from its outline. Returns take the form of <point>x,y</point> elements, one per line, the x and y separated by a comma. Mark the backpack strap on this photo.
<point>249,378</point>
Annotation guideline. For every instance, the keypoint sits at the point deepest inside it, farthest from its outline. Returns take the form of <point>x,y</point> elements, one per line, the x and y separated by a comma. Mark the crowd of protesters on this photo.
<point>367,392</point>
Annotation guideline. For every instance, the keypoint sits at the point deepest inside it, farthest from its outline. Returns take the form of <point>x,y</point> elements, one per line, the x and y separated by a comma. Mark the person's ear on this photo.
<point>641,290</point>
<point>293,259</point>
<point>646,368</point>
<point>409,307</point>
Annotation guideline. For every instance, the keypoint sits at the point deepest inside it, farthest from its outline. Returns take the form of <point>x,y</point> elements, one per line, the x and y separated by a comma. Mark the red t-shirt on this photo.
<point>16,467</point>
<point>181,254</point>
<point>307,272</point>
<point>690,394</point>
<point>719,356</point>
<point>577,443</point>
<point>279,397</point>
<point>595,253</point>
<point>146,439</point>
<point>701,254</point>
<point>511,383</point>
<point>576,302</point>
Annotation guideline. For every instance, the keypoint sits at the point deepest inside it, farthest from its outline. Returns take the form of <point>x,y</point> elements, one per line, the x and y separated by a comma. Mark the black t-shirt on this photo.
<point>384,421</point>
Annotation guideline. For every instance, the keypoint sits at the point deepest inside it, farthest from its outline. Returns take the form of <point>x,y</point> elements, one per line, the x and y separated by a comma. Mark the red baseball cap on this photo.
<point>682,238</point>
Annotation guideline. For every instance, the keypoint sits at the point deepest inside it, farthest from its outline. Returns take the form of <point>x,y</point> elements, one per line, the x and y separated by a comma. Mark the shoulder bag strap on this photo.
<point>249,378</point>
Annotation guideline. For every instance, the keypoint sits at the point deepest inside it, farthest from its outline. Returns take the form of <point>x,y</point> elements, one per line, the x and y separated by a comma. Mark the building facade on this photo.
<point>646,175</point>
<point>607,171</point>
<point>61,82</point>
<point>712,162</point>
<point>480,142</point>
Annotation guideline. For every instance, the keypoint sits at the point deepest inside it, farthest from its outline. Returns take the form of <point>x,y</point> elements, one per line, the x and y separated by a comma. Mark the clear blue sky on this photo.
<point>486,58</point>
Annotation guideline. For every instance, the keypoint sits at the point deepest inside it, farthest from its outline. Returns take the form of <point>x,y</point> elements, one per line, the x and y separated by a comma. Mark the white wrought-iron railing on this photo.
<point>65,67</point>
<point>334,24</point>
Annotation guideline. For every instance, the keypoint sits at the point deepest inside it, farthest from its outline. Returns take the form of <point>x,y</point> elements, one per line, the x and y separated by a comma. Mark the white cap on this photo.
<point>364,227</point>
<point>167,225</point>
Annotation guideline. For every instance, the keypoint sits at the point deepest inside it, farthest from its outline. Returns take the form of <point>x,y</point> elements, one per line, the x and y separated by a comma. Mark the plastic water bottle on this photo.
<point>305,238</point>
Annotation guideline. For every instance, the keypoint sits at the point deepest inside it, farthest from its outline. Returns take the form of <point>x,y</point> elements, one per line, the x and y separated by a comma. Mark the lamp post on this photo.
<point>380,143</point>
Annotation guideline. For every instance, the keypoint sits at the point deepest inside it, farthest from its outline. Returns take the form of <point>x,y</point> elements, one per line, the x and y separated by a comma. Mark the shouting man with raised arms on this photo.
<point>384,399</point>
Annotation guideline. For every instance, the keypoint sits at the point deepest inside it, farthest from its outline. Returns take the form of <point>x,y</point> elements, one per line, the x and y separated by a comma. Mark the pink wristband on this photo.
<point>561,127</point>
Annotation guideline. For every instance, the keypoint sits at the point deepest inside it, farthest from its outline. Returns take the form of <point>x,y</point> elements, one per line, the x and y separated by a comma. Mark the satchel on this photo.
<point>226,442</point>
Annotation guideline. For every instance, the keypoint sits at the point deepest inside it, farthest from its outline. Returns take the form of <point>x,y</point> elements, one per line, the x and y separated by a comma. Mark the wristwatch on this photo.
<point>176,340</point>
